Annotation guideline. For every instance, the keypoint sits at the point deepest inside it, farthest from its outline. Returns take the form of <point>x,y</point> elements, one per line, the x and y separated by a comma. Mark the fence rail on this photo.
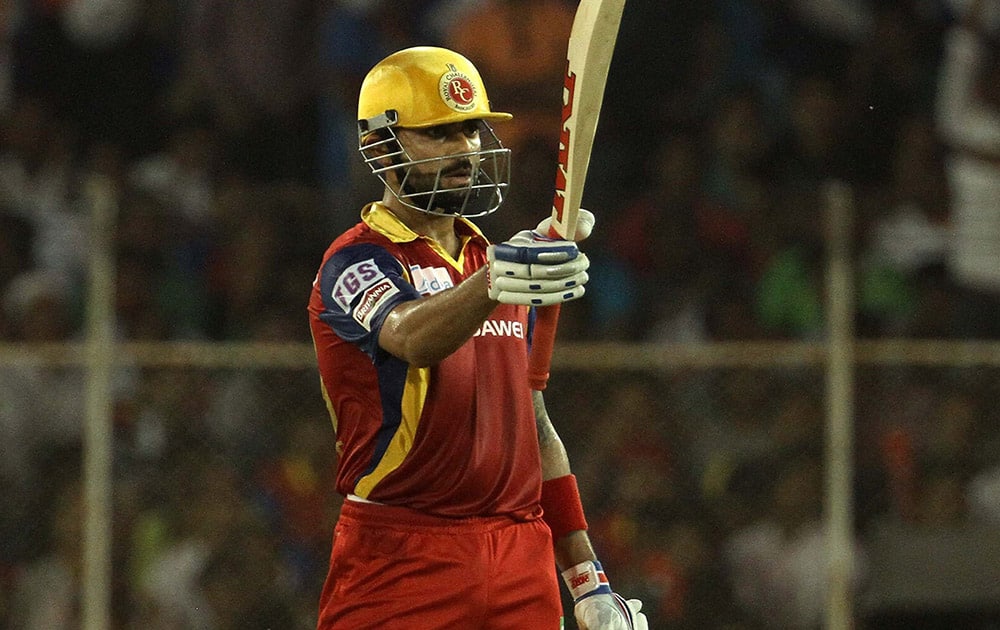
<point>583,356</point>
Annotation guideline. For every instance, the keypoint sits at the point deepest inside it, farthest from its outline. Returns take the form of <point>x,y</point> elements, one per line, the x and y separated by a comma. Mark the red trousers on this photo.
<point>392,568</point>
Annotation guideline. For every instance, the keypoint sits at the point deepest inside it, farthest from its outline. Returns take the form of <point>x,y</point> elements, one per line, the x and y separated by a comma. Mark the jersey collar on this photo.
<point>383,221</point>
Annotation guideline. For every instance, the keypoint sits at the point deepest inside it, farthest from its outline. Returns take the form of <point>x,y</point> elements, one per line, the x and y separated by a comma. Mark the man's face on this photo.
<point>452,176</point>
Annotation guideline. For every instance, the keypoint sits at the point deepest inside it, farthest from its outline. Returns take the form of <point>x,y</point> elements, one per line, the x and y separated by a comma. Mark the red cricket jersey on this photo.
<point>455,439</point>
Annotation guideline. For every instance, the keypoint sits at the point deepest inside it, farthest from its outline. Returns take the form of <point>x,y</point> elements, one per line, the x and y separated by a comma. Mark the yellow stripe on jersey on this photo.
<point>323,392</point>
<point>414,396</point>
<point>329,404</point>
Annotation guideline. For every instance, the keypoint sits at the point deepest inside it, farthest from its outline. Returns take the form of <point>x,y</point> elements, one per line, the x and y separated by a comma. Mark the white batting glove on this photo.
<point>536,270</point>
<point>596,606</point>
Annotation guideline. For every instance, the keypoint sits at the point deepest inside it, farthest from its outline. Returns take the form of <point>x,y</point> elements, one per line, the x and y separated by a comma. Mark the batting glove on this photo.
<point>536,270</point>
<point>596,606</point>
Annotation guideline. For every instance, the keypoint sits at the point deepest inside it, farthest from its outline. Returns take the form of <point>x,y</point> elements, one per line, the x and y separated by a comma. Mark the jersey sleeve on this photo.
<point>359,285</point>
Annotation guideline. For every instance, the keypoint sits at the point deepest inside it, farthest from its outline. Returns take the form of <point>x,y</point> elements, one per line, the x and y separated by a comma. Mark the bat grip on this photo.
<point>543,341</point>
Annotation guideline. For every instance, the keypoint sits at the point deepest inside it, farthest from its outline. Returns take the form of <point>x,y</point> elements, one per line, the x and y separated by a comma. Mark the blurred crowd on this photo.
<point>226,131</point>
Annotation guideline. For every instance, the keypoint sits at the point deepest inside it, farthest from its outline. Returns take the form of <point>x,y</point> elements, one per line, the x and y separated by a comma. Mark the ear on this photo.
<point>374,143</point>
<point>380,149</point>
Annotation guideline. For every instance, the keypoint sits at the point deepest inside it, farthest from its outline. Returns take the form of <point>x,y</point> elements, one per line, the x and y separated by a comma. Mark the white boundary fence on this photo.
<point>582,356</point>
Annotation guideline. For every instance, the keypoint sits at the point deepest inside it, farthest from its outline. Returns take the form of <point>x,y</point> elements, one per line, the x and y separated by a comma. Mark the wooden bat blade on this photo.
<point>588,59</point>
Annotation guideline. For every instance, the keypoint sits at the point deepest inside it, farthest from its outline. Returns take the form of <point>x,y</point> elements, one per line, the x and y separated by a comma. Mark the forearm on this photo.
<point>423,332</point>
<point>555,461</point>
<point>574,547</point>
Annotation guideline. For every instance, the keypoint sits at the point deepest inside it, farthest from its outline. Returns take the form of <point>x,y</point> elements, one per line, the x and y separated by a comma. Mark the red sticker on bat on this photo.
<point>559,200</point>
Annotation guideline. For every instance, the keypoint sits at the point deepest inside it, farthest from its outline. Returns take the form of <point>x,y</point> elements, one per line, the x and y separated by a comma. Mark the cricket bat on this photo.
<point>588,59</point>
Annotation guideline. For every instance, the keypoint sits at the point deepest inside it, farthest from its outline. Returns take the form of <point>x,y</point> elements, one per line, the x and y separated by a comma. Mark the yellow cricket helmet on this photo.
<point>425,86</point>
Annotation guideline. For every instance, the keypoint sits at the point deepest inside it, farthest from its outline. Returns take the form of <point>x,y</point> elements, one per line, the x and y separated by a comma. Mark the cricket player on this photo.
<point>459,499</point>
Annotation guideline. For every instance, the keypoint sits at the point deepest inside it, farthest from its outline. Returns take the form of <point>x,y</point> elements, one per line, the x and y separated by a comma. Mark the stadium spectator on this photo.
<point>777,564</point>
<point>253,68</point>
<point>968,117</point>
<point>47,589</point>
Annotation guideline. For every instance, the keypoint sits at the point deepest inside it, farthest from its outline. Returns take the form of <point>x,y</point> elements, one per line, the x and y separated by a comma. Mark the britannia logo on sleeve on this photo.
<point>457,90</point>
<point>373,299</point>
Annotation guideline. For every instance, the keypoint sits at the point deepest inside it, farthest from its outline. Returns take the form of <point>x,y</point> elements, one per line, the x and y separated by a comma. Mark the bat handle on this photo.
<point>543,341</point>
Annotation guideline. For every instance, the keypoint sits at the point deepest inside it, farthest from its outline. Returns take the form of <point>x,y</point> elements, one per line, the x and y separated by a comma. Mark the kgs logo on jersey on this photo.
<point>457,90</point>
<point>353,280</point>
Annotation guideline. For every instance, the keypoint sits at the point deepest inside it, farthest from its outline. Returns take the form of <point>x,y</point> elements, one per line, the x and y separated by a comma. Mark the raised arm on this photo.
<point>526,269</point>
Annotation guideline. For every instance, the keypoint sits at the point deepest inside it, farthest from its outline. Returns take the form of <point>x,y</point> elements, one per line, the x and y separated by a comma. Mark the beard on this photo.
<point>420,187</point>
